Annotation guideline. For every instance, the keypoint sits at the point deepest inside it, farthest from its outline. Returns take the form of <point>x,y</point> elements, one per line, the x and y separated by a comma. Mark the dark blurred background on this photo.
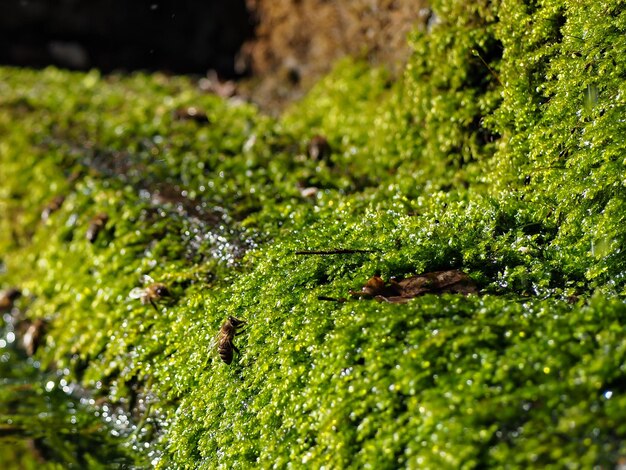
<point>185,36</point>
<point>282,47</point>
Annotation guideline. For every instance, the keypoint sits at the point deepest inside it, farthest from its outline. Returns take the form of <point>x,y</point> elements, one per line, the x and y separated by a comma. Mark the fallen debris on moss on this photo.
<point>402,290</point>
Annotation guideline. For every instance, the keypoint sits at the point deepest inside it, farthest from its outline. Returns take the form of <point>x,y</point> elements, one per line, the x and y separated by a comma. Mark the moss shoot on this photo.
<point>500,153</point>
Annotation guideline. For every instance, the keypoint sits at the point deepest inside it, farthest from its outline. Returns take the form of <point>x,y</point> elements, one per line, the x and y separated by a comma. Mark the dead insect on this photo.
<point>191,113</point>
<point>151,293</point>
<point>309,192</point>
<point>373,287</point>
<point>8,297</point>
<point>228,331</point>
<point>53,206</point>
<point>319,148</point>
<point>213,84</point>
<point>33,336</point>
<point>96,225</point>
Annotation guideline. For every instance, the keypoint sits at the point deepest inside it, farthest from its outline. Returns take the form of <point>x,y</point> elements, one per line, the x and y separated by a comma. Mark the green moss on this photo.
<point>500,152</point>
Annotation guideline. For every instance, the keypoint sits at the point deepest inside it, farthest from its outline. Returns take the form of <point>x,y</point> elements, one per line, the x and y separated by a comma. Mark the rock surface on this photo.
<point>297,41</point>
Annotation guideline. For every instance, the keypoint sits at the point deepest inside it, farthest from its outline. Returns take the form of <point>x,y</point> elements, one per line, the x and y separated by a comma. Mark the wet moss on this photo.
<point>48,422</point>
<point>498,153</point>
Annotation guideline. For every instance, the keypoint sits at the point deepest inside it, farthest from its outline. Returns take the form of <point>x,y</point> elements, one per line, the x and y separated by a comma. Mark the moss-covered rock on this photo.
<point>499,153</point>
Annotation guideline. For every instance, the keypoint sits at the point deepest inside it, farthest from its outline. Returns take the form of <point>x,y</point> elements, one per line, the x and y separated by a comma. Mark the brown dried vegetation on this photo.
<point>451,281</point>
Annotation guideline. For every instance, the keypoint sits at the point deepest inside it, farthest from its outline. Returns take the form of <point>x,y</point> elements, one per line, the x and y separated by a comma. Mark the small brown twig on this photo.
<point>333,252</point>
<point>331,299</point>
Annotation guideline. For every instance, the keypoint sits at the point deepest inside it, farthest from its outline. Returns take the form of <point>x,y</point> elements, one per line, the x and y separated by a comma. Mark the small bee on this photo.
<point>53,206</point>
<point>191,113</point>
<point>149,294</point>
<point>319,148</point>
<point>213,84</point>
<point>96,225</point>
<point>33,336</point>
<point>228,331</point>
<point>8,297</point>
